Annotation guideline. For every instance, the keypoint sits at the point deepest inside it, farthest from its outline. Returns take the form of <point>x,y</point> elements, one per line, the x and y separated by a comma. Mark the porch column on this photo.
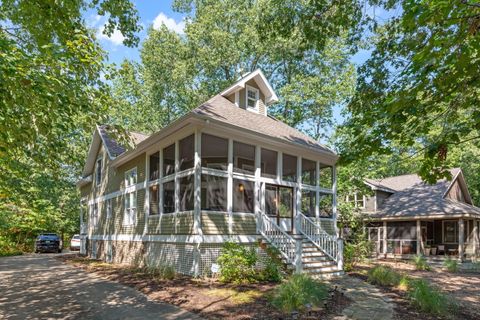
<point>230,186</point>
<point>385,238</point>
<point>461,238</point>
<point>197,219</point>
<point>420,249</point>
<point>258,193</point>
<point>475,239</point>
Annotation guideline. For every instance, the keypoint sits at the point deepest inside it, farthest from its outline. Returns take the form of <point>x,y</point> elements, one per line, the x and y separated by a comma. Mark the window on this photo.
<point>243,158</point>
<point>308,203</point>
<point>450,231</point>
<point>269,163</point>
<point>169,197</point>
<point>214,193</point>
<point>154,166</point>
<point>214,152</point>
<point>326,176</point>
<point>169,160</point>
<point>309,171</point>
<point>252,97</point>
<point>326,205</point>
<point>243,195</point>
<point>109,208</point>
<point>154,205</point>
<point>357,200</point>
<point>130,197</point>
<point>186,193</point>
<point>94,215</point>
<point>98,175</point>
<point>186,152</point>
<point>289,167</point>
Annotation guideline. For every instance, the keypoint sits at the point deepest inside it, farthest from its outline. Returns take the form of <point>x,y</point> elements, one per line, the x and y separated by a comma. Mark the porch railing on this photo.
<point>328,244</point>
<point>278,238</point>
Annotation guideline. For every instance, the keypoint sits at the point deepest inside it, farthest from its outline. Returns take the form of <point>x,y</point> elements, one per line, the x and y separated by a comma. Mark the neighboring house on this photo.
<point>411,217</point>
<point>226,171</point>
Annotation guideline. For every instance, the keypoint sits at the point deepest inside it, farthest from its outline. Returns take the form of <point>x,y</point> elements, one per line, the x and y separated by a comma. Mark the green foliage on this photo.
<point>297,292</point>
<point>384,276</point>
<point>356,252</point>
<point>8,248</point>
<point>272,270</point>
<point>429,299</point>
<point>417,94</point>
<point>237,263</point>
<point>162,272</point>
<point>451,264</point>
<point>421,263</point>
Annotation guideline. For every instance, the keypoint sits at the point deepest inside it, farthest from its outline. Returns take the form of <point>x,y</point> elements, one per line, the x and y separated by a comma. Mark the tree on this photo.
<point>420,88</point>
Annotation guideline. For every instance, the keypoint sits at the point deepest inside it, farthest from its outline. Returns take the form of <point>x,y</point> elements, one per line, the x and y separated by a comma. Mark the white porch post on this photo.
<point>419,238</point>
<point>258,191</point>
<point>298,198</point>
<point>475,239</point>
<point>230,186</point>
<point>461,238</point>
<point>385,238</point>
<point>197,185</point>
<point>334,200</point>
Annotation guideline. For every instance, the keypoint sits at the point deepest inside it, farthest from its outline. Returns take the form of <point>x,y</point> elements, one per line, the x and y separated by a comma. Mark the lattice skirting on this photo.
<point>185,258</point>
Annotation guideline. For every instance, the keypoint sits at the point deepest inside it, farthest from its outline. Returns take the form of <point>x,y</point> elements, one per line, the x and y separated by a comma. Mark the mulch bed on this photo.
<point>403,308</point>
<point>209,298</point>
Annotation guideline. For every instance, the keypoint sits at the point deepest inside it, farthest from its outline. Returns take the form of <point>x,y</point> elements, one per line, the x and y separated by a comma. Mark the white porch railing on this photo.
<point>278,238</point>
<point>328,244</point>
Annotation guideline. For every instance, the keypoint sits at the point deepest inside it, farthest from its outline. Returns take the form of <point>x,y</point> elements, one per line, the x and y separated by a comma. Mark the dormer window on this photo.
<point>253,94</point>
<point>98,176</point>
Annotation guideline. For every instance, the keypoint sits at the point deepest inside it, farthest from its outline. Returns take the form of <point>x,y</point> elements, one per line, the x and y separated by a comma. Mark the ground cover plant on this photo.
<point>421,263</point>
<point>299,291</point>
<point>451,264</point>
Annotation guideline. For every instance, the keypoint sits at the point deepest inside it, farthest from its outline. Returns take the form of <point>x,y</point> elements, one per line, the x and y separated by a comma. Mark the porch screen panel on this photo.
<point>450,231</point>
<point>289,168</point>
<point>402,230</point>
<point>243,158</point>
<point>214,152</point>
<point>309,171</point>
<point>169,160</point>
<point>243,195</point>
<point>186,152</point>
<point>271,200</point>
<point>169,197</point>
<point>214,193</point>
<point>154,173</point>
<point>186,193</point>
<point>269,163</point>
<point>326,176</point>
<point>308,203</point>
<point>326,205</point>
<point>285,203</point>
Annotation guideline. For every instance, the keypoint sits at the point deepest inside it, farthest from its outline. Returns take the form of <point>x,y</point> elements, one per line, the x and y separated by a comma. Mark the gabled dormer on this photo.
<point>252,92</point>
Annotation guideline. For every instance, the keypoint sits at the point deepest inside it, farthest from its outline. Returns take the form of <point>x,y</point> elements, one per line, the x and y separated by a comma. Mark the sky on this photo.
<point>154,13</point>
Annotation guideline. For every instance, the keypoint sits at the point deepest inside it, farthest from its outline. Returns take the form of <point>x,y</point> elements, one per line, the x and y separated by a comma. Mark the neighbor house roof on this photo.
<point>413,198</point>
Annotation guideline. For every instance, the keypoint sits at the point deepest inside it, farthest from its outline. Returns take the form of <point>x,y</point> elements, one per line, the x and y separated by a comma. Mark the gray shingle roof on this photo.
<point>413,198</point>
<point>113,147</point>
<point>221,109</point>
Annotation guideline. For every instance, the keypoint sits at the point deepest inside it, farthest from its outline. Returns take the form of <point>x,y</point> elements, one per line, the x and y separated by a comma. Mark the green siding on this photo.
<point>214,223</point>
<point>184,223</point>
<point>244,224</point>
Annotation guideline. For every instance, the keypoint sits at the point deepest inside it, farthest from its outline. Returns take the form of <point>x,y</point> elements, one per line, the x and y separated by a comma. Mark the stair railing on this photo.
<point>328,244</point>
<point>278,238</point>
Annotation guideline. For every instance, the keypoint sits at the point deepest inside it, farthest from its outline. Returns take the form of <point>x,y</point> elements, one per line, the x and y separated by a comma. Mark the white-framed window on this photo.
<point>94,215</point>
<point>109,208</point>
<point>358,200</point>
<point>252,96</point>
<point>450,231</point>
<point>98,171</point>
<point>130,197</point>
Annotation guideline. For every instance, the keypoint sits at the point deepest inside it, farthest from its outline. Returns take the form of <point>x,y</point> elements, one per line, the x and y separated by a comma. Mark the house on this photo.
<point>226,171</point>
<point>410,217</point>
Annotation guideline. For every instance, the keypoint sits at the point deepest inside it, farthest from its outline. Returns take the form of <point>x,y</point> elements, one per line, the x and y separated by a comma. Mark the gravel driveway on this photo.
<point>41,287</point>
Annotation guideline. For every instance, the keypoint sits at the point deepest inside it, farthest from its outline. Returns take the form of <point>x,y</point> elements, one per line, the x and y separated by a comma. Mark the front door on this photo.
<point>279,205</point>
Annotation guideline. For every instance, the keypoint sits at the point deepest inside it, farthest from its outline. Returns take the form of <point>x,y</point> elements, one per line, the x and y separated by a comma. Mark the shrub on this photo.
<point>421,263</point>
<point>297,292</point>
<point>429,299</point>
<point>384,276</point>
<point>451,264</point>
<point>237,263</point>
<point>8,248</point>
<point>404,283</point>
<point>353,253</point>
<point>272,271</point>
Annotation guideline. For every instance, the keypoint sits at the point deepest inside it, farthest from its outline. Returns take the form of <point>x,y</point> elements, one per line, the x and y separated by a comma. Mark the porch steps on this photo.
<point>315,262</point>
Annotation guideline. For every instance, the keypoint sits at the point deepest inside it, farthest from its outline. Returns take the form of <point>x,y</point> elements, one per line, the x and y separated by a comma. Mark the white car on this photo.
<point>75,243</point>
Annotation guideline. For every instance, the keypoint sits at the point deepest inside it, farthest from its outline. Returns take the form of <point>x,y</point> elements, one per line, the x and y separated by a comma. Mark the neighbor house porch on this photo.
<point>456,237</point>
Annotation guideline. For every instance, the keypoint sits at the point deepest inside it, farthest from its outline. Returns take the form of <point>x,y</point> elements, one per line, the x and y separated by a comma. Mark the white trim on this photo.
<point>189,239</point>
<point>237,98</point>
<point>230,185</point>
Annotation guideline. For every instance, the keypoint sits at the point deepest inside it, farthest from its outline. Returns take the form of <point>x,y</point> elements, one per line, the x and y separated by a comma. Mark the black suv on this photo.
<point>48,242</point>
